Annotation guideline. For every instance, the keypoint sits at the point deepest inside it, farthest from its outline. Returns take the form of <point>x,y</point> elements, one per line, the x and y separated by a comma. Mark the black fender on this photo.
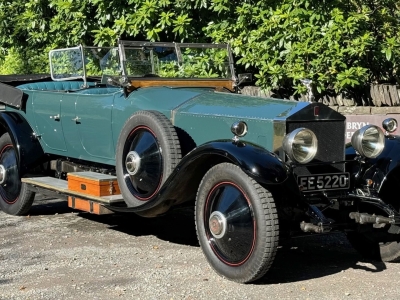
<point>257,162</point>
<point>263,166</point>
<point>384,170</point>
<point>29,150</point>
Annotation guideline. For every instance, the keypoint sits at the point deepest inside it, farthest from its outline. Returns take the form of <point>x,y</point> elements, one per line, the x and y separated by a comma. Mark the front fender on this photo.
<point>29,150</point>
<point>257,162</point>
<point>181,186</point>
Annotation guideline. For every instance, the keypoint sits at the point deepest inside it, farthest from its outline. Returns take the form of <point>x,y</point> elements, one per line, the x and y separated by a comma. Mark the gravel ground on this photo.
<point>59,253</point>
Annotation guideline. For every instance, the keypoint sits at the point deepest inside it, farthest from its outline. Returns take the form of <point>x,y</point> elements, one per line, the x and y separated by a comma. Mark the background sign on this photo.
<point>354,122</point>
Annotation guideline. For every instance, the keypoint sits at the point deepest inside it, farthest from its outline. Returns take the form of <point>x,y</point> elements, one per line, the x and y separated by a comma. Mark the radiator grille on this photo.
<point>331,145</point>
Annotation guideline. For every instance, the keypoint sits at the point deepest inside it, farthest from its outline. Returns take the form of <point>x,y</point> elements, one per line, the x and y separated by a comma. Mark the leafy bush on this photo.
<point>340,45</point>
<point>13,61</point>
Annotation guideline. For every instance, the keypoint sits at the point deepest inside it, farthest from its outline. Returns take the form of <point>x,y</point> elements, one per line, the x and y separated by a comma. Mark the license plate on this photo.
<point>323,182</point>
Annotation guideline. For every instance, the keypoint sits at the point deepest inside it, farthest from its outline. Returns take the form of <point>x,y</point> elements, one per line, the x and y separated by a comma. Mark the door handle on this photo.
<point>76,119</point>
<point>56,117</point>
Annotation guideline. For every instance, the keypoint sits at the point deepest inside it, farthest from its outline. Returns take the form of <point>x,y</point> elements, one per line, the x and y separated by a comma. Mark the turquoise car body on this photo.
<point>203,113</point>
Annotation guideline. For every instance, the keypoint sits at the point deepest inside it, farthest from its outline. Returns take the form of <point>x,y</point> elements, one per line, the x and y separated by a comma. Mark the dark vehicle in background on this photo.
<point>155,126</point>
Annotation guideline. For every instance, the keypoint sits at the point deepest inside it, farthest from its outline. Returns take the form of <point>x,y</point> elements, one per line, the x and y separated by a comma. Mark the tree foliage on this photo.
<point>338,44</point>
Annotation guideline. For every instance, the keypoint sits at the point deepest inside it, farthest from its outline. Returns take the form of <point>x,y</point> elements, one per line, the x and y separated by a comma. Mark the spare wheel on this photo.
<point>148,150</point>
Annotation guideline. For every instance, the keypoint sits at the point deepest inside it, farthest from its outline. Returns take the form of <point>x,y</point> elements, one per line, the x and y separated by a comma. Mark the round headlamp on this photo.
<point>390,125</point>
<point>368,141</point>
<point>301,145</point>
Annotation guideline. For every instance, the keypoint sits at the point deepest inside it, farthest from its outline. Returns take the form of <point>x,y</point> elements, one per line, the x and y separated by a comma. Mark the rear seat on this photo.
<point>70,86</point>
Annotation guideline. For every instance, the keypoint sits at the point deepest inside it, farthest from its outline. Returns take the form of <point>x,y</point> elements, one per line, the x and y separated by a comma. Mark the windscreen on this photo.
<point>67,63</point>
<point>177,62</point>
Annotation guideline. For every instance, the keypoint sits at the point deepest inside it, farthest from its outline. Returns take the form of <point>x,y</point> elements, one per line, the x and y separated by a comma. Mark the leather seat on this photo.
<point>98,91</point>
<point>53,86</point>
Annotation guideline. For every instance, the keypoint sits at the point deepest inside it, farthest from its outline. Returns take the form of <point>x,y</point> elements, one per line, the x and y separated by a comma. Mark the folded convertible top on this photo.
<point>15,80</point>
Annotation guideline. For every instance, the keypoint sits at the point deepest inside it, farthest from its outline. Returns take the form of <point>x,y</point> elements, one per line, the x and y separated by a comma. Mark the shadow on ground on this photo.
<point>311,257</point>
<point>175,227</point>
<point>49,206</point>
<point>297,259</point>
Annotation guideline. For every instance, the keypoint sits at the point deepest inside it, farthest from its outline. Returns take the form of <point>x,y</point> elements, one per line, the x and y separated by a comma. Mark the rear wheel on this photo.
<point>15,198</point>
<point>148,151</point>
<point>237,223</point>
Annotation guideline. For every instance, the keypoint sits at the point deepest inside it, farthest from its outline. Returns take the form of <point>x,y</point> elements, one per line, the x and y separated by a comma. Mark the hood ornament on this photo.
<point>307,83</point>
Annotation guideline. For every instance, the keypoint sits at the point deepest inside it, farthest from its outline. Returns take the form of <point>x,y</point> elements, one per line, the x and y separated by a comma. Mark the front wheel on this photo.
<point>15,198</point>
<point>374,250</point>
<point>237,223</point>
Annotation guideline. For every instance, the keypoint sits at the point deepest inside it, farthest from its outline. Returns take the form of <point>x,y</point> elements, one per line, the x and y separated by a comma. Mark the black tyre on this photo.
<point>148,150</point>
<point>15,198</point>
<point>237,223</point>
<point>370,249</point>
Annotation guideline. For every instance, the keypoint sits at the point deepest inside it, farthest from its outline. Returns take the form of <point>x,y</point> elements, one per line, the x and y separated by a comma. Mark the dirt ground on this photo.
<point>59,253</point>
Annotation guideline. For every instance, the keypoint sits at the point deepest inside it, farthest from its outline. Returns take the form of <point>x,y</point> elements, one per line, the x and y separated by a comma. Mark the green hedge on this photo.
<point>340,45</point>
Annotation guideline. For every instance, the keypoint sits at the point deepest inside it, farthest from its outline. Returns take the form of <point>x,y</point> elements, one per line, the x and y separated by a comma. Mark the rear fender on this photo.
<point>258,163</point>
<point>29,150</point>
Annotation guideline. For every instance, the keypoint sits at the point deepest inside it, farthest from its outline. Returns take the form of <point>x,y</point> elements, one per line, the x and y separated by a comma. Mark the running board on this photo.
<point>77,200</point>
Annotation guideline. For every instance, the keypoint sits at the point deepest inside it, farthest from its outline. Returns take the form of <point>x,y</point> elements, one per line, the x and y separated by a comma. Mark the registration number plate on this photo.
<point>323,182</point>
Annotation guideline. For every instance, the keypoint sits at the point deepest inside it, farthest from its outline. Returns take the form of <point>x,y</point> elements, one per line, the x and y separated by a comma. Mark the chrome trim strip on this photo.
<point>291,111</point>
<point>231,63</point>
<point>279,134</point>
<point>122,57</point>
<point>161,44</point>
<point>279,124</point>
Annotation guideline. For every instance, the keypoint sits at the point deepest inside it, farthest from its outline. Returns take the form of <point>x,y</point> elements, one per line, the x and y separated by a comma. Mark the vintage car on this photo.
<point>147,127</point>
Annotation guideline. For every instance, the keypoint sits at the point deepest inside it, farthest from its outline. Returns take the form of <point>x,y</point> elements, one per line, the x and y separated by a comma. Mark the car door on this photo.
<point>70,128</point>
<point>93,119</point>
<point>47,112</point>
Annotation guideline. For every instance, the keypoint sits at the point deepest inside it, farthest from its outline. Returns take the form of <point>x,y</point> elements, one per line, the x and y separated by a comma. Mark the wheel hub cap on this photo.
<point>2,174</point>
<point>217,224</point>
<point>132,162</point>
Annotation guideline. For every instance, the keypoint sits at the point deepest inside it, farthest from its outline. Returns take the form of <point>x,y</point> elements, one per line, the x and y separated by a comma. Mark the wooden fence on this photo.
<point>377,95</point>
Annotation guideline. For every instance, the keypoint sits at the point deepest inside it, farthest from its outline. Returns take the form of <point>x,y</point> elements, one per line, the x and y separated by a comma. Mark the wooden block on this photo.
<point>88,206</point>
<point>394,95</point>
<point>92,183</point>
